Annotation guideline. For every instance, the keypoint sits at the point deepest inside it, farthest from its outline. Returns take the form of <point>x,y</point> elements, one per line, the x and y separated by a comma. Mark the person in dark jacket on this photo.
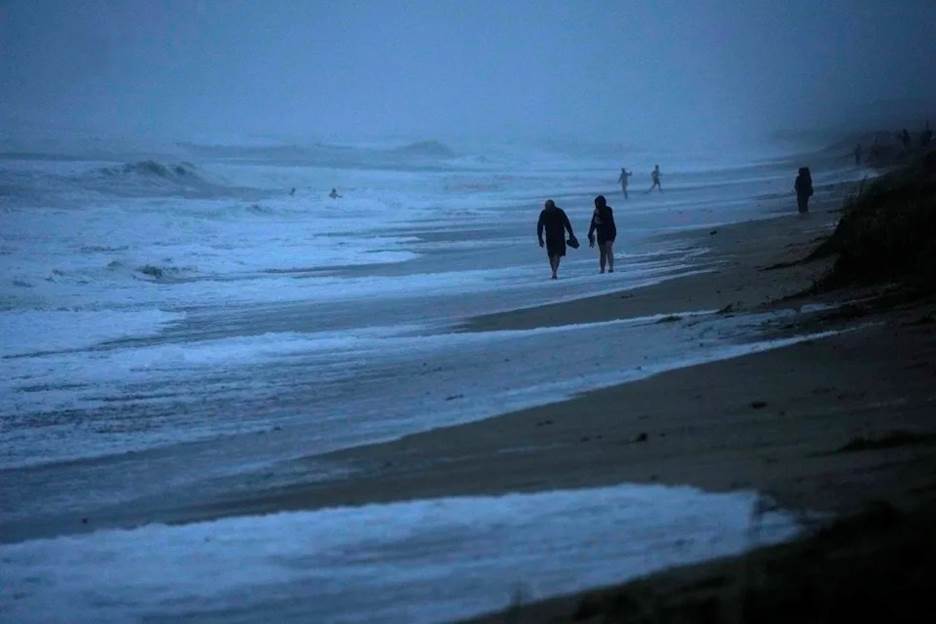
<point>554,222</point>
<point>602,224</point>
<point>804,190</point>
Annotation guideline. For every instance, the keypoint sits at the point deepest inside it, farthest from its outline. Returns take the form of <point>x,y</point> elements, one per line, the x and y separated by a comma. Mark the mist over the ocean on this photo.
<point>637,73</point>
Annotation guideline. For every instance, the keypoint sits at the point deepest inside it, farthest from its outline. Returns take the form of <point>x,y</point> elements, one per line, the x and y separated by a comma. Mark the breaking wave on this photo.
<point>165,273</point>
<point>149,177</point>
<point>180,172</point>
<point>431,149</point>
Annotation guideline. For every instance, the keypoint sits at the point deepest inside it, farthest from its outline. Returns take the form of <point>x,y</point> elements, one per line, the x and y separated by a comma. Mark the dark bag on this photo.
<point>573,242</point>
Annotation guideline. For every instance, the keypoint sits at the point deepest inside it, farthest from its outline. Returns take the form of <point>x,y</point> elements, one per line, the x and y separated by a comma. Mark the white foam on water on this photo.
<point>422,561</point>
<point>26,331</point>
<point>377,382</point>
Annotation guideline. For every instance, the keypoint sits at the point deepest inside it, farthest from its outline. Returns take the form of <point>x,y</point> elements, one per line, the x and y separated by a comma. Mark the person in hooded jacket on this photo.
<point>602,224</point>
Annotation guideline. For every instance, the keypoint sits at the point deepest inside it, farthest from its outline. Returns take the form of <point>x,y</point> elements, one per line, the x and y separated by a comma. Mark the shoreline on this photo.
<point>797,424</point>
<point>733,283</point>
<point>831,421</point>
<point>252,492</point>
<point>516,452</point>
<point>729,272</point>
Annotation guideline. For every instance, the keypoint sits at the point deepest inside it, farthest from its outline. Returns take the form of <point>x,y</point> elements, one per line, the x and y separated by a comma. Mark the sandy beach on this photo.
<point>827,427</point>
<point>775,421</point>
<point>827,411</point>
<point>818,405</point>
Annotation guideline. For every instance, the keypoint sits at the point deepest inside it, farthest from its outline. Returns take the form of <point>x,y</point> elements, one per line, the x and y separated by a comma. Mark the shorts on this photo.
<point>555,247</point>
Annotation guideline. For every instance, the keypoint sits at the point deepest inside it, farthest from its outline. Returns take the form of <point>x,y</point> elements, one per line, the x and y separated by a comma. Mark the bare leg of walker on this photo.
<point>609,252</point>
<point>602,257</point>
<point>554,265</point>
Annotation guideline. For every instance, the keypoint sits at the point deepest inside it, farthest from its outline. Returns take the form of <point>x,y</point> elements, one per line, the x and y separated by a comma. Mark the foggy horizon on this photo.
<point>623,72</point>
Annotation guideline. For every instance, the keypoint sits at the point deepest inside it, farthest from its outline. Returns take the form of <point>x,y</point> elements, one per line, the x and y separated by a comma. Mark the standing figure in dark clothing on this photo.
<point>602,224</point>
<point>875,150</point>
<point>858,154</point>
<point>926,136</point>
<point>655,176</point>
<point>804,190</point>
<point>555,223</point>
<point>623,180</point>
<point>905,139</point>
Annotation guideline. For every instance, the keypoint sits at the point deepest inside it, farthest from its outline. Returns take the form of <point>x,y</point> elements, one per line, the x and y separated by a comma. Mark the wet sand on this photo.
<point>826,425</point>
<point>731,273</point>
<point>772,421</point>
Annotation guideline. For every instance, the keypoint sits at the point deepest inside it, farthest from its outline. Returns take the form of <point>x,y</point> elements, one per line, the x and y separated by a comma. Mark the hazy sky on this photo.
<point>622,71</point>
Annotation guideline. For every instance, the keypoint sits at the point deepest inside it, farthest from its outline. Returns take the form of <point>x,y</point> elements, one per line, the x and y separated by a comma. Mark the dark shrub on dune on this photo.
<point>888,232</point>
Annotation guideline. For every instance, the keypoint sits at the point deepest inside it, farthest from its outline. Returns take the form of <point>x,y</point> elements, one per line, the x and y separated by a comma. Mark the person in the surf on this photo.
<point>655,177</point>
<point>804,189</point>
<point>554,222</point>
<point>622,179</point>
<point>602,224</point>
<point>292,191</point>
<point>334,194</point>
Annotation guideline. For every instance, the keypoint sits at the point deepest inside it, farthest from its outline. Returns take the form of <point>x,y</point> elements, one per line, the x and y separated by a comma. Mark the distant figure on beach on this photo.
<point>292,191</point>
<point>623,180</point>
<point>858,154</point>
<point>602,224</point>
<point>926,136</point>
<point>334,194</point>
<point>655,177</point>
<point>804,190</point>
<point>555,223</point>
<point>875,150</point>
<point>905,138</point>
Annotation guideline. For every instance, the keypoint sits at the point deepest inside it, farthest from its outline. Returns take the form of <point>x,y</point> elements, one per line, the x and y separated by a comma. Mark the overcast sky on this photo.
<point>622,71</point>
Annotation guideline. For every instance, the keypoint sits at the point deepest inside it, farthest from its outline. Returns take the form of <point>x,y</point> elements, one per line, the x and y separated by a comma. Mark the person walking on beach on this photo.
<point>905,139</point>
<point>623,180</point>
<point>555,223</point>
<point>804,190</point>
<point>602,224</point>
<point>655,177</point>
<point>858,154</point>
